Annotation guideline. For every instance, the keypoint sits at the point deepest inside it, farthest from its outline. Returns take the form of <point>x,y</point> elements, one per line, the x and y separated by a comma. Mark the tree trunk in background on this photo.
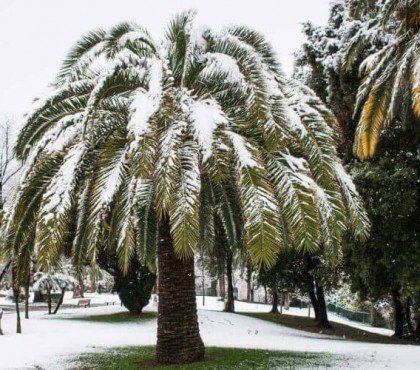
<point>27,283</point>
<point>1,316</point>
<point>265,295</point>
<point>60,301</point>
<point>92,282</point>
<point>408,305</point>
<point>3,273</point>
<point>230,301</point>
<point>398,313</point>
<point>323,314</point>
<point>249,297</point>
<point>275,296</point>
<point>222,288</point>
<point>16,291</point>
<point>178,334</point>
<point>311,287</point>
<point>314,301</point>
<point>81,284</point>
<point>49,301</point>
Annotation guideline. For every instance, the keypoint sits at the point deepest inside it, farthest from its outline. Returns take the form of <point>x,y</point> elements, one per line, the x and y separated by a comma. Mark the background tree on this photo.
<point>357,36</point>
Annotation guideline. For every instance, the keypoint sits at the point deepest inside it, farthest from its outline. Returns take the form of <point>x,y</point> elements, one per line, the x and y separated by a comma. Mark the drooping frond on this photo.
<point>371,123</point>
<point>359,221</point>
<point>184,207</point>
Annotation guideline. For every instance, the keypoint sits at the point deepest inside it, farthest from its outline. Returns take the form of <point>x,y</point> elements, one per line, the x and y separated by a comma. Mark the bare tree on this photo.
<point>7,170</point>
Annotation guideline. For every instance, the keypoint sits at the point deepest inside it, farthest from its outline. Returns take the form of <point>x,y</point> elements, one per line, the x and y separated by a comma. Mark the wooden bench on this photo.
<point>83,303</point>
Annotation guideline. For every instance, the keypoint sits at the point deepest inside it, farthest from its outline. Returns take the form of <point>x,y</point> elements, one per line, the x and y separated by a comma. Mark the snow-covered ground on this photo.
<point>210,303</point>
<point>50,342</point>
<point>95,299</point>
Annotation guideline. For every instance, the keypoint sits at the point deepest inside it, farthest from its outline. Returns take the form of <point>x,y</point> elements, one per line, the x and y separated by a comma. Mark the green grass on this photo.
<point>117,318</point>
<point>130,358</point>
<point>340,330</point>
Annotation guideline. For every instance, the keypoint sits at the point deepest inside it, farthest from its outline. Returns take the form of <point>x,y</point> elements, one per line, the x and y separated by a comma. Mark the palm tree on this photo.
<point>390,89</point>
<point>141,139</point>
<point>49,282</point>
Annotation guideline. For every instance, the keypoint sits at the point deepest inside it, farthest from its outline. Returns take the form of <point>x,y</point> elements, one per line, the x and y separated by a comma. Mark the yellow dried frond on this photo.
<point>371,124</point>
<point>416,100</point>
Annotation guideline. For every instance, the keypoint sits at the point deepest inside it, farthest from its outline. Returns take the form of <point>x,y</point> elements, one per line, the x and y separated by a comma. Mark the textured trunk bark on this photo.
<point>178,334</point>
<point>398,313</point>
<point>275,296</point>
<point>323,314</point>
<point>230,301</point>
<point>60,301</point>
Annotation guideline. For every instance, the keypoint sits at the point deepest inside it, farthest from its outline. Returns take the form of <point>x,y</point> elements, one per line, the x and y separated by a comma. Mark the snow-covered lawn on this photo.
<point>49,342</point>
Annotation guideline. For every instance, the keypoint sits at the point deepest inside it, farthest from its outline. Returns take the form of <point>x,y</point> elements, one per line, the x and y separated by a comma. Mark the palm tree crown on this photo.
<point>134,131</point>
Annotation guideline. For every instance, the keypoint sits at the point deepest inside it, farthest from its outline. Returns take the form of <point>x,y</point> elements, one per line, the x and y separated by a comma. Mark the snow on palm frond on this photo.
<point>202,118</point>
<point>206,116</point>
<point>53,281</point>
<point>359,221</point>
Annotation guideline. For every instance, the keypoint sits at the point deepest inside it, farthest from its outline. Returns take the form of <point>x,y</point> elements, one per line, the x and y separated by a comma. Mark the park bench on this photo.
<point>83,302</point>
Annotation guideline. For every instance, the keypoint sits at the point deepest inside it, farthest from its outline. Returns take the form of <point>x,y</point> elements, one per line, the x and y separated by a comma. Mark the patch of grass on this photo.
<point>130,358</point>
<point>340,330</point>
<point>117,318</point>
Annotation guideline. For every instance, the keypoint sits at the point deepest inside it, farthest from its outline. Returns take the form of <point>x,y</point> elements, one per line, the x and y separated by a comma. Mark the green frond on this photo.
<point>184,203</point>
<point>296,194</point>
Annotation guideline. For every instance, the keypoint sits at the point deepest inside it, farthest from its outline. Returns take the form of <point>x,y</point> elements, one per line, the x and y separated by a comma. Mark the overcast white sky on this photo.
<point>36,34</point>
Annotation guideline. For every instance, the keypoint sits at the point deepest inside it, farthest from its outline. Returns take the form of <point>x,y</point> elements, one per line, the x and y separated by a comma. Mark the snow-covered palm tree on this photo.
<point>390,87</point>
<point>139,141</point>
<point>49,282</point>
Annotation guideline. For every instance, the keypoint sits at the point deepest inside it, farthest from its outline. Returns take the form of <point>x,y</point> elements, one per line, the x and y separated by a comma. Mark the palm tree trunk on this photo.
<point>60,301</point>
<point>178,334</point>
<point>230,301</point>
